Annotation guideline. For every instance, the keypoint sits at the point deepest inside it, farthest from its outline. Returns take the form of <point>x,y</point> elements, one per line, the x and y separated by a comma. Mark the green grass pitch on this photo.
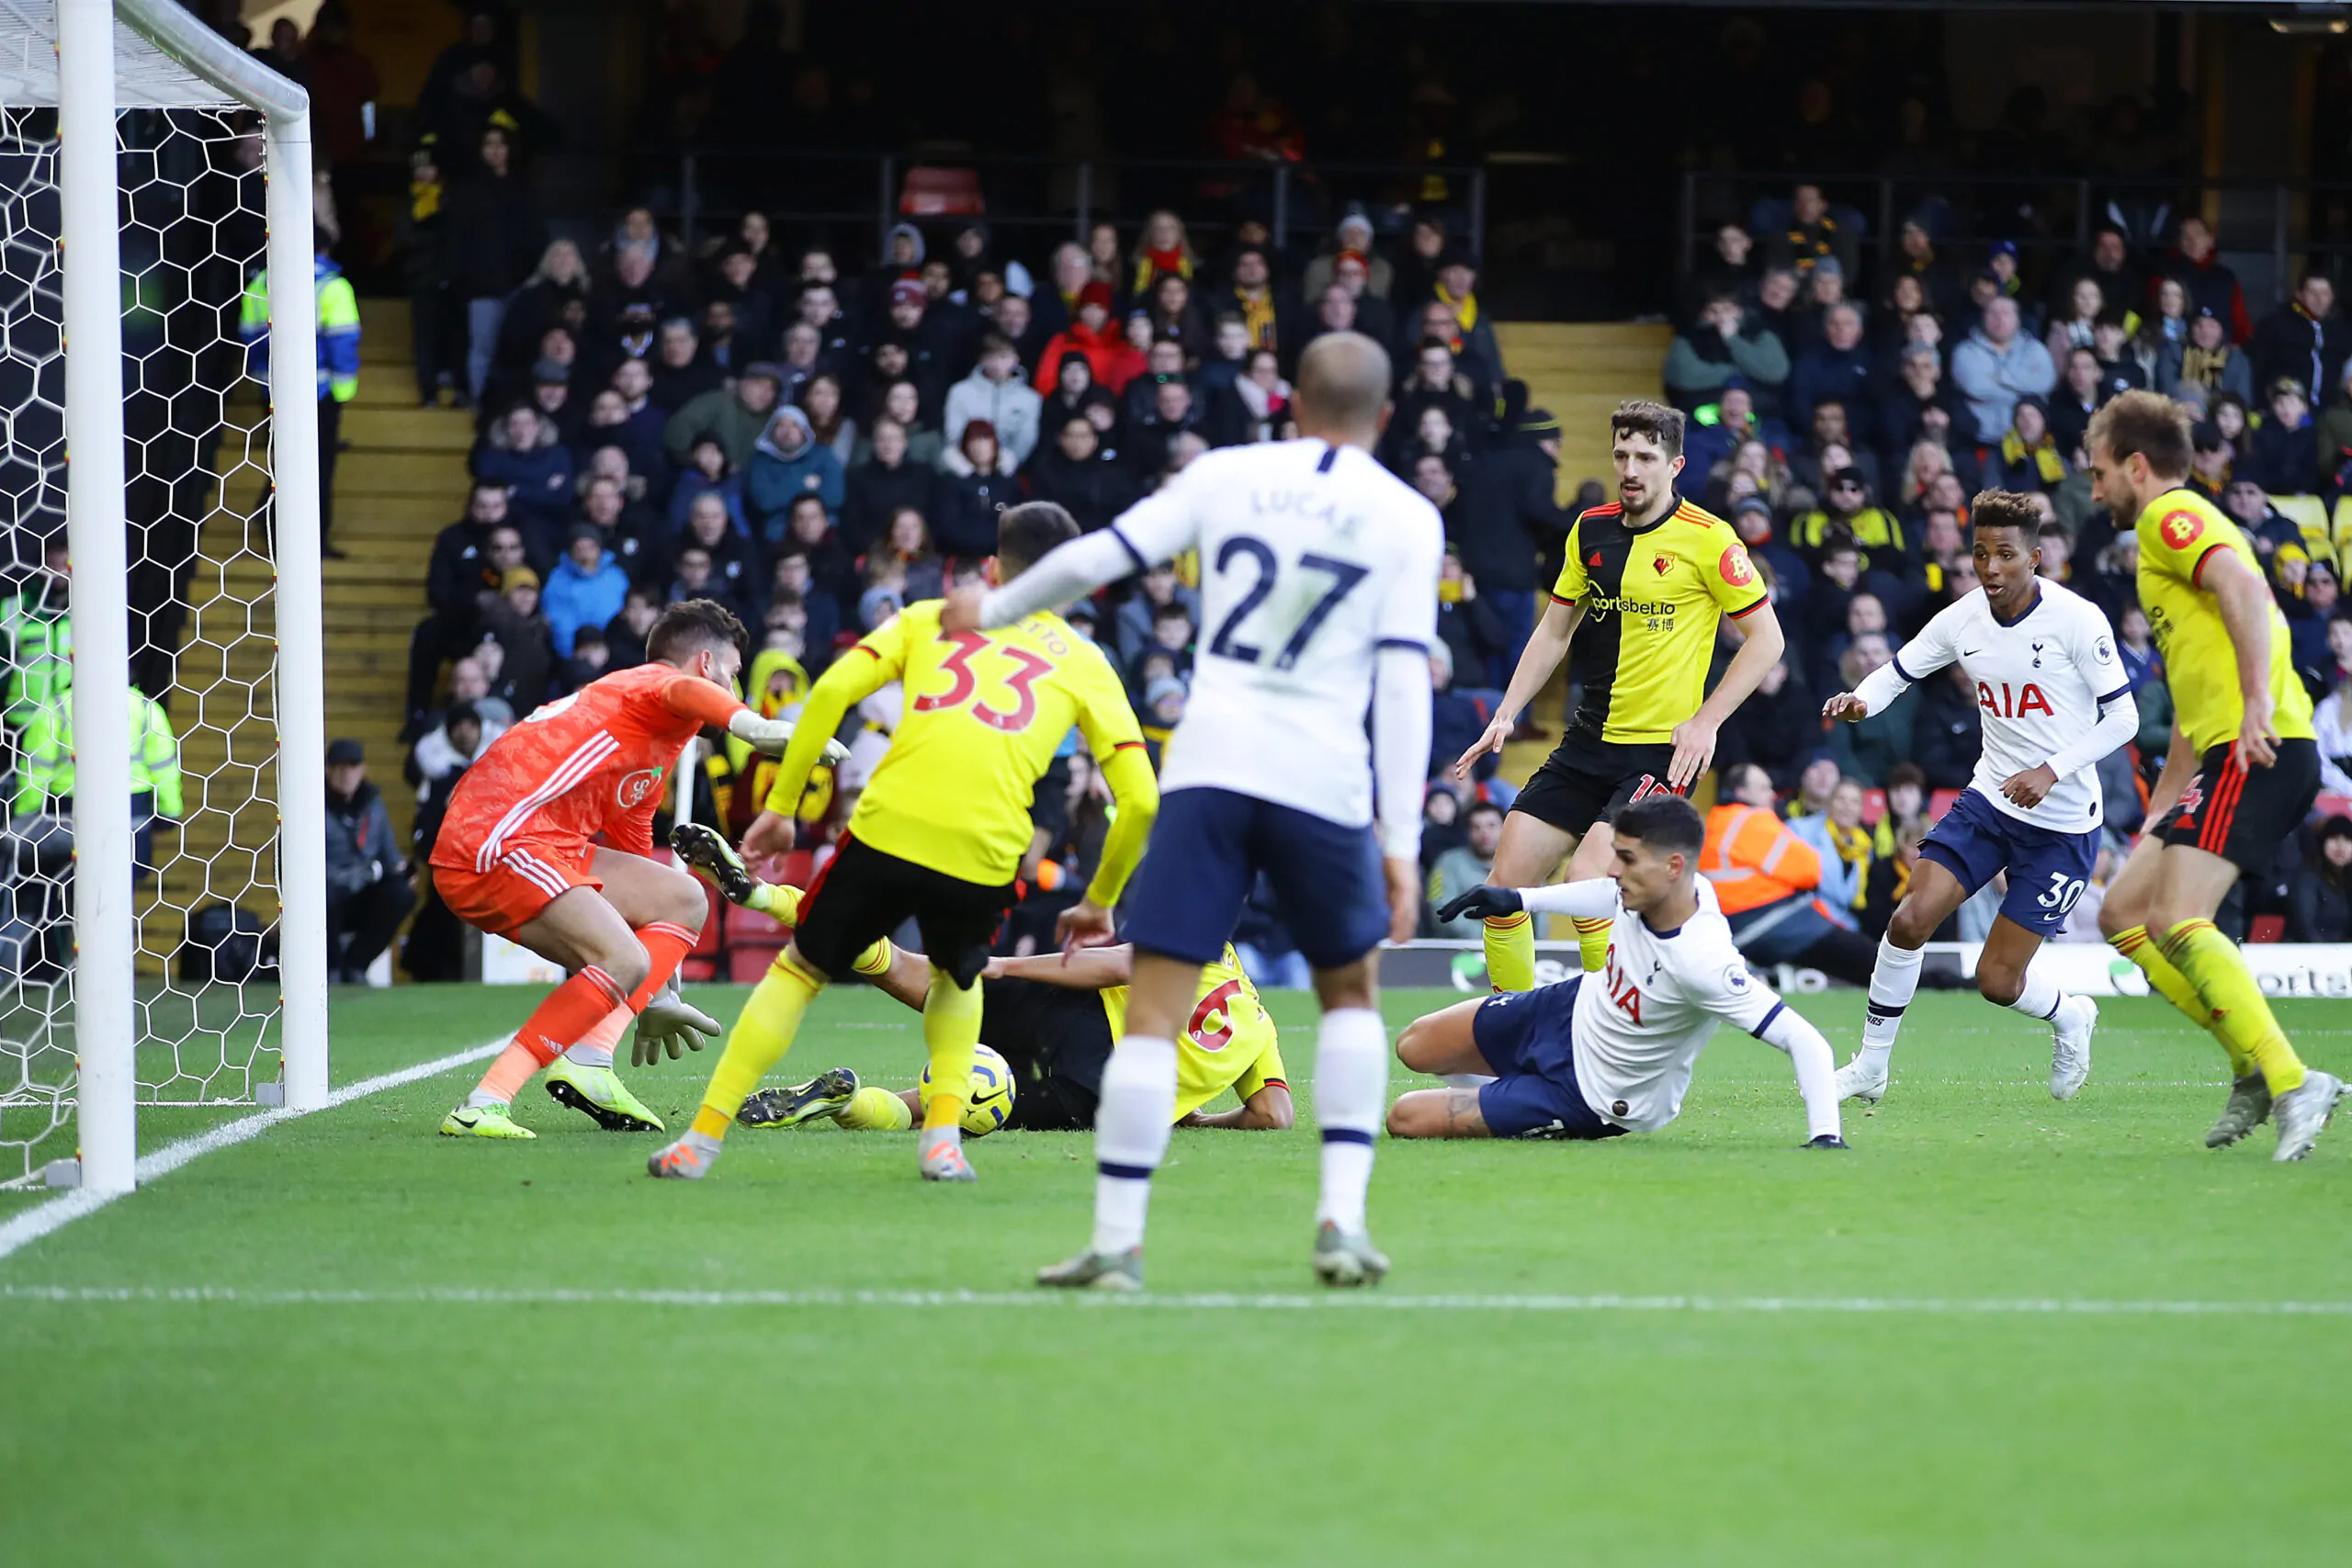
<point>386,1369</point>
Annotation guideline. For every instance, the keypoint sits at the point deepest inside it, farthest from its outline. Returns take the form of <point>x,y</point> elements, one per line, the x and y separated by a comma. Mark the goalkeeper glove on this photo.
<point>667,1022</point>
<point>772,736</point>
<point>1487,903</point>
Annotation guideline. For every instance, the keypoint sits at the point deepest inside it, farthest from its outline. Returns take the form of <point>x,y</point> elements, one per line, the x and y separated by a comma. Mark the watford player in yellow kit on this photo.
<point>939,831</point>
<point>1647,580</point>
<point>2242,774</point>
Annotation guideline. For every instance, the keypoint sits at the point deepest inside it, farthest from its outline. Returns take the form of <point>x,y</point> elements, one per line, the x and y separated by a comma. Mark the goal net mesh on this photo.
<point>198,595</point>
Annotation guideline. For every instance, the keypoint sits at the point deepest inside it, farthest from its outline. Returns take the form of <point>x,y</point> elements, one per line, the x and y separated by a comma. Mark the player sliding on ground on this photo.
<point>2242,774</point>
<point>514,858</point>
<point>1318,594</point>
<point>1610,1052</point>
<point>939,831</point>
<point>2055,700</point>
<point>1648,577</point>
<point>1053,1017</point>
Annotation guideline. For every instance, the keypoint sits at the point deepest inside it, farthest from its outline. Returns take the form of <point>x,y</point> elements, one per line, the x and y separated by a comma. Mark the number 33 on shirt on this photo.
<point>985,713</point>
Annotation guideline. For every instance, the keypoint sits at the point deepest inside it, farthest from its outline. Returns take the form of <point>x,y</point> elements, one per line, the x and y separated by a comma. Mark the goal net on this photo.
<point>161,898</point>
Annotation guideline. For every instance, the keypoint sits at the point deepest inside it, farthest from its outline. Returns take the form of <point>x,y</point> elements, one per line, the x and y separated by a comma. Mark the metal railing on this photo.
<point>2266,222</point>
<point>703,191</point>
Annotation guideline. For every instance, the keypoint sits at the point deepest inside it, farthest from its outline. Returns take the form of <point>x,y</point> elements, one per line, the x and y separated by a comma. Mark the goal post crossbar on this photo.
<point>90,60</point>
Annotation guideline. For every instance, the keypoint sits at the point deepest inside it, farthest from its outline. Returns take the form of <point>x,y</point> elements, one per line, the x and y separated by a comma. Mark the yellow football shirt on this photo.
<point>1653,597</point>
<point>2177,531</point>
<point>984,714</point>
<point>1228,1043</point>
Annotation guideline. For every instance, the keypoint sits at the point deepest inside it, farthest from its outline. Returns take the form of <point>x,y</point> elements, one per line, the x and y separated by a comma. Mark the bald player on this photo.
<point>1318,599</point>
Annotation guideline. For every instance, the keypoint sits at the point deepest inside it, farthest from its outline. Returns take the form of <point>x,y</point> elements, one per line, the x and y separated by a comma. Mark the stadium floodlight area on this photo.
<point>149,168</point>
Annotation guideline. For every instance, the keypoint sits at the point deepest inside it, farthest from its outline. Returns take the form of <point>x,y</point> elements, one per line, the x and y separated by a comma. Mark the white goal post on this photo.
<point>97,62</point>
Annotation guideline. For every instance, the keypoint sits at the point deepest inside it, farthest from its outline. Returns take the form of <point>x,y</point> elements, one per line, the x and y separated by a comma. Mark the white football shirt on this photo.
<point>1642,1020</point>
<point>1312,558</point>
<point>2041,681</point>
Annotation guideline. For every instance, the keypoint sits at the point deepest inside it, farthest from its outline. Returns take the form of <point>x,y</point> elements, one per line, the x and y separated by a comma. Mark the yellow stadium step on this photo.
<point>1580,371</point>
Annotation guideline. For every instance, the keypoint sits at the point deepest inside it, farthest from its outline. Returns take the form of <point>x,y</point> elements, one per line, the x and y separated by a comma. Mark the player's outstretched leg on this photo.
<point>1895,980</point>
<point>2211,962</point>
<point>757,1043</point>
<point>570,1011</point>
<point>1132,1123</point>
<point>2006,976</point>
<point>1351,1087</point>
<point>822,1099</point>
<point>951,1034</point>
<point>583,1078</point>
<point>1934,894</point>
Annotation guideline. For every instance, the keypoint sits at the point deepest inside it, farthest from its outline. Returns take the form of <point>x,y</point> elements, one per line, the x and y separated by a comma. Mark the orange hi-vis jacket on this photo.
<point>1753,859</point>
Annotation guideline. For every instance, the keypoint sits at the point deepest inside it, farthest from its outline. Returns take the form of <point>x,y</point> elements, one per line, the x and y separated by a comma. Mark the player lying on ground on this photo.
<point>1648,579</point>
<point>2055,700</point>
<point>2242,774</point>
<point>515,858</point>
<point>1610,1052</point>
<point>1054,1018</point>
<point>938,832</point>
<point>1319,598</point>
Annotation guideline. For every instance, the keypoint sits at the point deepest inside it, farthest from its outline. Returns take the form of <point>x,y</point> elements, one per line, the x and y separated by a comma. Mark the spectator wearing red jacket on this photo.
<point>1092,335</point>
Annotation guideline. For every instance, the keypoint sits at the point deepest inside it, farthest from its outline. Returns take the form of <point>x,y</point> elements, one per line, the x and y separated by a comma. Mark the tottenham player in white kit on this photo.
<point>1318,602</point>
<point>2055,700</point>
<point>1610,1052</point>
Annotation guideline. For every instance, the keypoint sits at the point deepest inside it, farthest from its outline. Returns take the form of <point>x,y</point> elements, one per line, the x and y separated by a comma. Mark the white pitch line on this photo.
<point>57,1213</point>
<point>1064,1301</point>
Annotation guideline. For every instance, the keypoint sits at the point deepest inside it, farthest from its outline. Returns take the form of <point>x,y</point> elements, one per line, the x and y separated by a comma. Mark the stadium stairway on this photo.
<point>402,478</point>
<point>1580,371</point>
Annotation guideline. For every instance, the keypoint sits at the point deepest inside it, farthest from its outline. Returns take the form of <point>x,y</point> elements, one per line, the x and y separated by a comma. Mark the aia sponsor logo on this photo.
<point>2007,702</point>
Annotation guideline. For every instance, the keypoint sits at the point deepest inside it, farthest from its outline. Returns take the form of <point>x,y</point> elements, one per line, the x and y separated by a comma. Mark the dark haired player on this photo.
<point>938,830</point>
<point>2053,700</point>
<point>1610,1052</point>
<point>1649,578</point>
<point>2242,774</point>
<point>516,857</point>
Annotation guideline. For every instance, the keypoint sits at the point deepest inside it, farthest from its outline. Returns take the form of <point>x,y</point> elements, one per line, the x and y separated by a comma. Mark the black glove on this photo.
<point>1487,903</point>
<point>1828,1141</point>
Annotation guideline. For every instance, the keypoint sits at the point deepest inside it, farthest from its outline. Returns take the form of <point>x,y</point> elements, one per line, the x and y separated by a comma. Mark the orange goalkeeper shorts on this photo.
<point>529,876</point>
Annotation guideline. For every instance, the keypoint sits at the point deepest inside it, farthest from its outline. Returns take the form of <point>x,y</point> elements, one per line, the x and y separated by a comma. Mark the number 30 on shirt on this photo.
<point>1026,670</point>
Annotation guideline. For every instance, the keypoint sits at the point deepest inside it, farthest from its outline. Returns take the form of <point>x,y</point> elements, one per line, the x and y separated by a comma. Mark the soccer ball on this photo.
<point>989,1100</point>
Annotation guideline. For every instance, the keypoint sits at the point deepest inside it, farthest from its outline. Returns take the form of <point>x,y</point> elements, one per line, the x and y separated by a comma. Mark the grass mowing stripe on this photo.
<point>58,1212</point>
<point>1962,1306</point>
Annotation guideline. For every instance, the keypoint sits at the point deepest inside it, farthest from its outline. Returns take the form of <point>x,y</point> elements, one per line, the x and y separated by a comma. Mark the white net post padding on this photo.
<point>151,170</point>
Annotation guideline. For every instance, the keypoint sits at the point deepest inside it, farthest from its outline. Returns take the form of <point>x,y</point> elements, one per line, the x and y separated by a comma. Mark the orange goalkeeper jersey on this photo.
<point>589,763</point>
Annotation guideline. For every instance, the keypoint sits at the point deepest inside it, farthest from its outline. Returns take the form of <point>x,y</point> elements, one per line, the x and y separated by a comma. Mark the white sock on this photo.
<point>933,1137</point>
<point>482,1096</point>
<point>1351,1082</point>
<point>1895,980</point>
<point>586,1056</point>
<point>2041,997</point>
<point>1131,1127</point>
<point>1467,1080</point>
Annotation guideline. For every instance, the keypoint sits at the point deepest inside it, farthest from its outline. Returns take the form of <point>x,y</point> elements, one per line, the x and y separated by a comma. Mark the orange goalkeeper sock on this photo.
<point>568,1012</point>
<point>666,945</point>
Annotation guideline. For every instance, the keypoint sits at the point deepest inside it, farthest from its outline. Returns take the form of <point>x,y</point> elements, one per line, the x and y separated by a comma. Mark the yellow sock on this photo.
<point>872,1109</point>
<point>2136,944</point>
<point>878,959</point>
<point>758,1042</point>
<point>2242,1017</point>
<point>1592,943</point>
<point>951,1032</point>
<point>777,901</point>
<point>1510,952</point>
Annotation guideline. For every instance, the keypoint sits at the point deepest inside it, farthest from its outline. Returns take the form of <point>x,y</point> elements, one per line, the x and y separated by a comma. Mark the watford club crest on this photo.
<point>1662,564</point>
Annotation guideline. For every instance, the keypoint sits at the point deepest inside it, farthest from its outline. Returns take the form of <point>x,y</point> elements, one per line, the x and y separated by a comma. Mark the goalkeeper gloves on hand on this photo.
<point>772,736</point>
<point>1487,903</point>
<point>669,1022</point>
